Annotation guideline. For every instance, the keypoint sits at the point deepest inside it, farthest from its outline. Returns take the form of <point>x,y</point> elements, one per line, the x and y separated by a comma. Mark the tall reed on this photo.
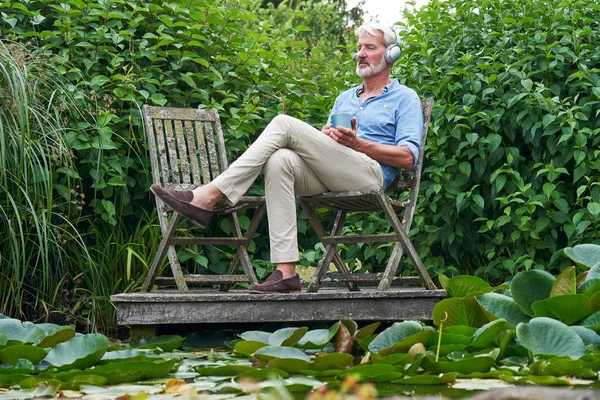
<point>38,185</point>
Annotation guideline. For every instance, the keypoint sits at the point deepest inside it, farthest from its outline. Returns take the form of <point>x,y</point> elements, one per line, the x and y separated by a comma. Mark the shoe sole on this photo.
<point>176,206</point>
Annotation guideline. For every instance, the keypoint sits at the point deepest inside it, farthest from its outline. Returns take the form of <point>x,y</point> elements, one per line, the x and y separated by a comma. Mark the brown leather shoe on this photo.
<point>276,284</point>
<point>179,200</point>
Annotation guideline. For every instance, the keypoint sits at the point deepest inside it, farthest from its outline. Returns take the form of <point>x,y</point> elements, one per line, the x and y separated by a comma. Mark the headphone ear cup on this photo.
<point>392,53</point>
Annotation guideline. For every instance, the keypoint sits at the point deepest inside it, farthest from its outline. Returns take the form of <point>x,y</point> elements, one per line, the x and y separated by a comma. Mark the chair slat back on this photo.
<point>186,146</point>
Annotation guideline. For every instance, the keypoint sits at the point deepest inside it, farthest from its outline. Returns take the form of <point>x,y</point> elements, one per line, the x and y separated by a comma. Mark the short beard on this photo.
<point>371,70</point>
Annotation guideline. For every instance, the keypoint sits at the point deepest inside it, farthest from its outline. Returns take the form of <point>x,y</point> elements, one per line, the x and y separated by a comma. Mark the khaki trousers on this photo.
<point>297,160</point>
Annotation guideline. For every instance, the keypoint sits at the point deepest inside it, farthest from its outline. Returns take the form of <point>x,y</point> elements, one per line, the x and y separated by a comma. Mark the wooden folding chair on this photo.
<point>187,150</point>
<point>369,201</point>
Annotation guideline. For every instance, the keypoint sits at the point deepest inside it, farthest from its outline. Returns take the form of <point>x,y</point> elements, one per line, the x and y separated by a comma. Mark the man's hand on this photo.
<point>343,135</point>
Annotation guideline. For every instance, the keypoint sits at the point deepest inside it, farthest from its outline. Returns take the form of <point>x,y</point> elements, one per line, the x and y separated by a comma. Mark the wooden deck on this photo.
<point>203,305</point>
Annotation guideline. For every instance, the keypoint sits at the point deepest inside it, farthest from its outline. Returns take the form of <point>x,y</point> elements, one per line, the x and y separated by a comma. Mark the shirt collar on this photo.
<point>385,88</point>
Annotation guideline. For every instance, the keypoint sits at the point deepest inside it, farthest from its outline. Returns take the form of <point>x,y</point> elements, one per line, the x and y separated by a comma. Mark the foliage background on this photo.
<point>512,159</point>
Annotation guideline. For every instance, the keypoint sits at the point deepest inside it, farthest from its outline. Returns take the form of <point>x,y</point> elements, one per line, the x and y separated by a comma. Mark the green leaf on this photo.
<point>463,366</point>
<point>546,336</point>
<point>394,334</point>
<point>465,285</point>
<point>166,343</point>
<point>374,372</point>
<point>442,379</point>
<point>588,335</point>
<point>21,333</point>
<point>504,307</point>
<point>530,286</point>
<point>458,311</point>
<point>565,282</point>
<point>287,336</point>
<point>78,353</point>
<point>55,334</point>
<point>268,353</point>
<point>318,338</point>
<point>487,336</point>
<point>127,355</point>
<point>332,361</point>
<point>592,322</point>
<point>257,336</point>
<point>12,354</point>
<point>248,347</point>
<point>291,365</point>
<point>225,370</point>
<point>586,255</point>
<point>568,308</point>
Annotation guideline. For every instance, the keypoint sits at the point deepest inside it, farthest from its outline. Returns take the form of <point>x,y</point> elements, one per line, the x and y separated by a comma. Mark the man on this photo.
<point>298,159</point>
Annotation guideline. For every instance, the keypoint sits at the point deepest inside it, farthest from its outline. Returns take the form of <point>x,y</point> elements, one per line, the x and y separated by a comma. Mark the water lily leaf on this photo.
<point>375,372</point>
<point>287,336</point>
<point>394,334</point>
<point>586,255</point>
<point>592,322</point>
<point>595,302</point>
<point>589,336</point>
<point>594,272</point>
<point>332,361</point>
<point>268,353</point>
<point>165,342</point>
<point>504,307</point>
<point>3,340</point>
<point>464,285</point>
<point>12,354</point>
<point>248,347</point>
<point>562,366</point>
<point>367,331</point>
<point>22,366</point>
<point>364,343</point>
<point>547,336</point>
<point>460,330</point>
<point>541,380</point>
<point>464,366</point>
<point>568,308</point>
<point>259,375</point>
<point>55,334</point>
<point>9,380</point>
<point>488,335</point>
<point>351,325</point>
<point>79,352</point>
<point>566,282</point>
<point>128,355</point>
<point>394,359</point>
<point>256,336</point>
<point>588,285</point>
<point>344,340</point>
<point>133,371</point>
<point>291,365</point>
<point>446,349</point>
<point>427,379</point>
<point>449,338</point>
<point>407,343</point>
<point>530,286</point>
<point>225,370</point>
<point>20,332</point>
<point>459,311</point>
<point>318,338</point>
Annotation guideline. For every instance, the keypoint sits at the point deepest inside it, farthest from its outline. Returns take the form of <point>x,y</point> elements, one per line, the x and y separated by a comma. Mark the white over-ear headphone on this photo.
<point>393,51</point>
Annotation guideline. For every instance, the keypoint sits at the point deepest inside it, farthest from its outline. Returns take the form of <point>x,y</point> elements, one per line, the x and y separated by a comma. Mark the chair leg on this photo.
<point>391,268</point>
<point>163,248</point>
<point>405,242</point>
<point>242,251</point>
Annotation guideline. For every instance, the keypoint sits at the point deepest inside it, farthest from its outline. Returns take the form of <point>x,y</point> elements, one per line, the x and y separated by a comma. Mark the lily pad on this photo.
<point>291,365</point>
<point>530,286</point>
<point>367,331</point>
<point>425,379</point>
<point>464,366</point>
<point>127,355</point>
<point>562,366</point>
<point>12,354</point>
<point>504,307</point>
<point>592,322</point>
<point>133,371</point>
<point>261,375</point>
<point>488,335</point>
<point>248,347</point>
<point>394,334</point>
<point>20,332</point>
<point>225,370</point>
<point>589,336</point>
<point>166,343</point>
<point>268,353</point>
<point>318,338</point>
<point>256,336</point>
<point>586,255</point>
<point>55,334</point>
<point>588,286</point>
<point>287,336</point>
<point>546,336</point>
<point>568,308</point>
<point>566,282</point>
<point>464,285</point>
<point>22,366</point>
<point>459,311</point>
<point>332,361</point>
<point>375,372</point>
<point>79,352</point>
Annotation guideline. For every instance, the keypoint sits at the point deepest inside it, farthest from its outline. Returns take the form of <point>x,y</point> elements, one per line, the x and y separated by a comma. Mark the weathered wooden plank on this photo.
<point>202,153</point>
<point>188,127</point>
<point>212,151</point>
<point>359,239</point>
<point>184,159</point>
<point>171,113</point>
<point>212,306</point>
<point>196,278</point>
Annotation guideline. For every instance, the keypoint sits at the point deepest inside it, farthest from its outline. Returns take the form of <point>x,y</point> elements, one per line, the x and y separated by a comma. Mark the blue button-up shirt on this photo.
<point>394,117</point>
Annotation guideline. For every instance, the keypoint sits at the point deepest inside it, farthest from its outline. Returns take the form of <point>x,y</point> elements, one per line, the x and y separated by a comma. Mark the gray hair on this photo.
<point>389,34</point>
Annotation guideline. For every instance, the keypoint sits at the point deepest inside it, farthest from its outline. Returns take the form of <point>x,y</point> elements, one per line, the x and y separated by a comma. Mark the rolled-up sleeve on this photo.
<point>409,126</point>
